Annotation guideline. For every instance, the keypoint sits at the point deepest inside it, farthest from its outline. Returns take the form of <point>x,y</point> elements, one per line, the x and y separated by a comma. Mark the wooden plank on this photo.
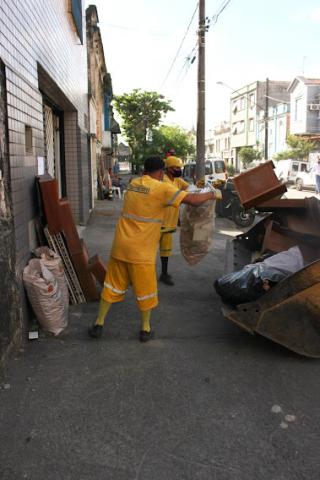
<point>258,185</point>
<point>282,203</point>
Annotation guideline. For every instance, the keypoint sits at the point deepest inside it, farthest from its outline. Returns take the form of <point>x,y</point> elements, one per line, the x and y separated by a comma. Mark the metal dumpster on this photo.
<point>289,313</point>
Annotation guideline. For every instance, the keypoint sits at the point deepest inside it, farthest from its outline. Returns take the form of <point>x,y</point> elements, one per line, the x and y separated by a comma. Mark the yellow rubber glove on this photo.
<point>218,194</point>
<point>218,182</point>
<point>200,183</point>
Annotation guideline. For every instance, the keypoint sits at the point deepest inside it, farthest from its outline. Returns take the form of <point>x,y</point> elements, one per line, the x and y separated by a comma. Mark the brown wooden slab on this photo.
<point>258,185</point>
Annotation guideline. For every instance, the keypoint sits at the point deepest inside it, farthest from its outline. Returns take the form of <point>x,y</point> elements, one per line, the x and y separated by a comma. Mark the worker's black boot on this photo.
<point>145,336</point>
<point>166,278</point>
<point>95,331</point>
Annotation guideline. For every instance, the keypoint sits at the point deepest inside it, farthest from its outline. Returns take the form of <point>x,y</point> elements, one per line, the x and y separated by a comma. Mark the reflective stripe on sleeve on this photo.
<point>115,290</point>
<point>145,297</point>
<point>174,197</point>
<point>131,216</point>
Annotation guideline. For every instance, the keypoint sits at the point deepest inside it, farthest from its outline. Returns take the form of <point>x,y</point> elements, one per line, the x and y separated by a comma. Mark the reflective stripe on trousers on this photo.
<point>145,297</point>
<point>115,290</point>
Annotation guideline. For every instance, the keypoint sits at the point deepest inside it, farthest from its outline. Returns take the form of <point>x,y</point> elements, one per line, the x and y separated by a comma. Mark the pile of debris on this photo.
<point>63,272</point>
<point>287,311</point>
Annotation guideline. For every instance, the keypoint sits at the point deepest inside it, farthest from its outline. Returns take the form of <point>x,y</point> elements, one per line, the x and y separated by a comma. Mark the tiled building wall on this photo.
<point>10,317</point>
<point>32,33</point>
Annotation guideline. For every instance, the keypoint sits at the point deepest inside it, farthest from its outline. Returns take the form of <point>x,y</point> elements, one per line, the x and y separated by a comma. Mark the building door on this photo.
<point>54,146</point>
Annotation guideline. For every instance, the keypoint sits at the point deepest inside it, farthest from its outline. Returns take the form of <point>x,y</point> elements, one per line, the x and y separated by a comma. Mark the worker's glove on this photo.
<point>200,183</point>
<point>217,194</point>
<point>218,182</point>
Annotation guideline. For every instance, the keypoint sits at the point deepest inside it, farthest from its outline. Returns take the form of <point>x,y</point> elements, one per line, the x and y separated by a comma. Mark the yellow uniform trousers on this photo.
<point>142,277</point>
<point>166,243</point>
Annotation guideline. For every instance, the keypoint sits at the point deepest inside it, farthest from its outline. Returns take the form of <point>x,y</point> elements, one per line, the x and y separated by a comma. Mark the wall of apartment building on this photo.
<point>244,106</point>
<point>298,99</point>
<point>44,60</point>
<point>222,144</point>
<point>10,307</point>
<point>253,99</point>
<point>96,85</point>
<point>43,55</point>
<point>277,135</point>
<point>313,116</point>
<point>278,129</point>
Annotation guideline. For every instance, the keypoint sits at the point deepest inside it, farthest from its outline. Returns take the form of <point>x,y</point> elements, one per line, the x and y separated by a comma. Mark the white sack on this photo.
<point>45,297</point>
<point>197,229</point>
<point>54,263</point>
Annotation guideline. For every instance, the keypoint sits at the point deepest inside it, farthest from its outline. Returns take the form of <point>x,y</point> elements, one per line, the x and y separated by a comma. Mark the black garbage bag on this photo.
<point>255,279</point>
<point>244,285</point>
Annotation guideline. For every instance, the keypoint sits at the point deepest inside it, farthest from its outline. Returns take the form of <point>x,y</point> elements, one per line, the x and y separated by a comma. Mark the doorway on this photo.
<point>54,145</point>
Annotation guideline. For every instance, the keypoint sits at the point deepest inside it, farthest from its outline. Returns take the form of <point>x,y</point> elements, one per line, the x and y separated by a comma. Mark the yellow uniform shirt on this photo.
<point>138,230</point>
<point>171,214</point>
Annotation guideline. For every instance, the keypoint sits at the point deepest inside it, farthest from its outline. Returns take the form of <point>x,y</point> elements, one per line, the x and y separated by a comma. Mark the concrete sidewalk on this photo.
<point>202,401</point>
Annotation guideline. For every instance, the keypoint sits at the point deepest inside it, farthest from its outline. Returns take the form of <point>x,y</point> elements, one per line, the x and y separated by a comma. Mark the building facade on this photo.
<point>44,122</point>
<point>218,142</point>
<point>247,107</point>
<point>305,106</point>
<point>102,126</point>
<point>278,129</point>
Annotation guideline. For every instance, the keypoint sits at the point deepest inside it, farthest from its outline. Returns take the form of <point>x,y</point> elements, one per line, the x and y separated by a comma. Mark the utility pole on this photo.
<point>266,124</point>
<point>200,165</point>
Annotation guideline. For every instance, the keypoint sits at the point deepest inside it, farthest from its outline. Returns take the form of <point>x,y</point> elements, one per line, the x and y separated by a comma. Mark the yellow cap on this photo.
<point>173,162</point>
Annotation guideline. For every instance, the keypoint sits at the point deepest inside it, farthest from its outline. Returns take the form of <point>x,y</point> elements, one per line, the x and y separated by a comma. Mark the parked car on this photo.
<point>295,172</point>
<point>215,169</point>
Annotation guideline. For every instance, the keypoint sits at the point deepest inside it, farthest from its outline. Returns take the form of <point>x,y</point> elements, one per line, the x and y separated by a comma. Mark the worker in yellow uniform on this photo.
<point>173,172</point>
<point>133,254</point>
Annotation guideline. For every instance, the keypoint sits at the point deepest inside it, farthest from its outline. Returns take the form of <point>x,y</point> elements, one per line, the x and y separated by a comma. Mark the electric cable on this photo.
<point>180,47</point>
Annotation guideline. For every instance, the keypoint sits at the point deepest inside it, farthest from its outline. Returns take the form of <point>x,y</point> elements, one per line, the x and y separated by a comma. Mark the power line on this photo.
<point>214,19</point>
<point>191,57</point>
<point>180,46</point>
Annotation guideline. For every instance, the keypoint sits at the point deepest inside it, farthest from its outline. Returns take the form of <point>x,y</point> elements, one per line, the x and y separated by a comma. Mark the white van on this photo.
<point>215,169</point>
<point>295,172</point>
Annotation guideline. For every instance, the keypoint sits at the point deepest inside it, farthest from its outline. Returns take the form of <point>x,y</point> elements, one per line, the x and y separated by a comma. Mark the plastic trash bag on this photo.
<point>249,283</point>
<point>197,228</point>
<point>45,296</point>
<point>54,263</point>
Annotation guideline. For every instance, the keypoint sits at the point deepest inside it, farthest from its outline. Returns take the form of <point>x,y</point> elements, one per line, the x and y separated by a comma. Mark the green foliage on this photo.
<point>231,170</point>
<point>167,137</point>
<point>141,112</point>
<point>299,148</point>
<point>249,154</point>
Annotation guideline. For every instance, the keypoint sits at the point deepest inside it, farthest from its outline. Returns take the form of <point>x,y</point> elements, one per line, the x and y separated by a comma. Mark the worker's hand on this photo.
<point>218,182</point>
<point>217,194</point>
<point>200,183</point>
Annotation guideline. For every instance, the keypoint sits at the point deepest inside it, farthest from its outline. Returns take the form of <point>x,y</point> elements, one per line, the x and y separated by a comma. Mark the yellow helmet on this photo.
<point>173,162</point>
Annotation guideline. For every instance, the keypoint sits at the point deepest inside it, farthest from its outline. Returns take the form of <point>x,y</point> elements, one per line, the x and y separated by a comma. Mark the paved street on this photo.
<point>203,401</point>
<point>294,193</point>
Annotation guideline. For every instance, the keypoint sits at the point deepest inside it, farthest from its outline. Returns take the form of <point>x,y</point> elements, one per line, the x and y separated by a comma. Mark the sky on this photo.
<point>252,40</point>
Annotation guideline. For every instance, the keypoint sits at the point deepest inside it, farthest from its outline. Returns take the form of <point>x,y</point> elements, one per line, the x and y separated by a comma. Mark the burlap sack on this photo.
<point>45,296</point>
<point>54,263</point>
<point>197,230</point>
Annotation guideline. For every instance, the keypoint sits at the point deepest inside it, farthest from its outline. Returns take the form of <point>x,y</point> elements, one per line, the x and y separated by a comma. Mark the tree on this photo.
<point>167,137</point>
<point>299,148</point>
<point>249,154</point>
<point>141,111</point>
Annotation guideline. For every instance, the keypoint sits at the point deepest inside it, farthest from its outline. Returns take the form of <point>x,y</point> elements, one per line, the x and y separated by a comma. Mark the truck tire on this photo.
<point>242,217</point>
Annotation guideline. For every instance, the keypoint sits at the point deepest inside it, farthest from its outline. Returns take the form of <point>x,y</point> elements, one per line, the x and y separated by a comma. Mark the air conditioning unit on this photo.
<point>314,106</point>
